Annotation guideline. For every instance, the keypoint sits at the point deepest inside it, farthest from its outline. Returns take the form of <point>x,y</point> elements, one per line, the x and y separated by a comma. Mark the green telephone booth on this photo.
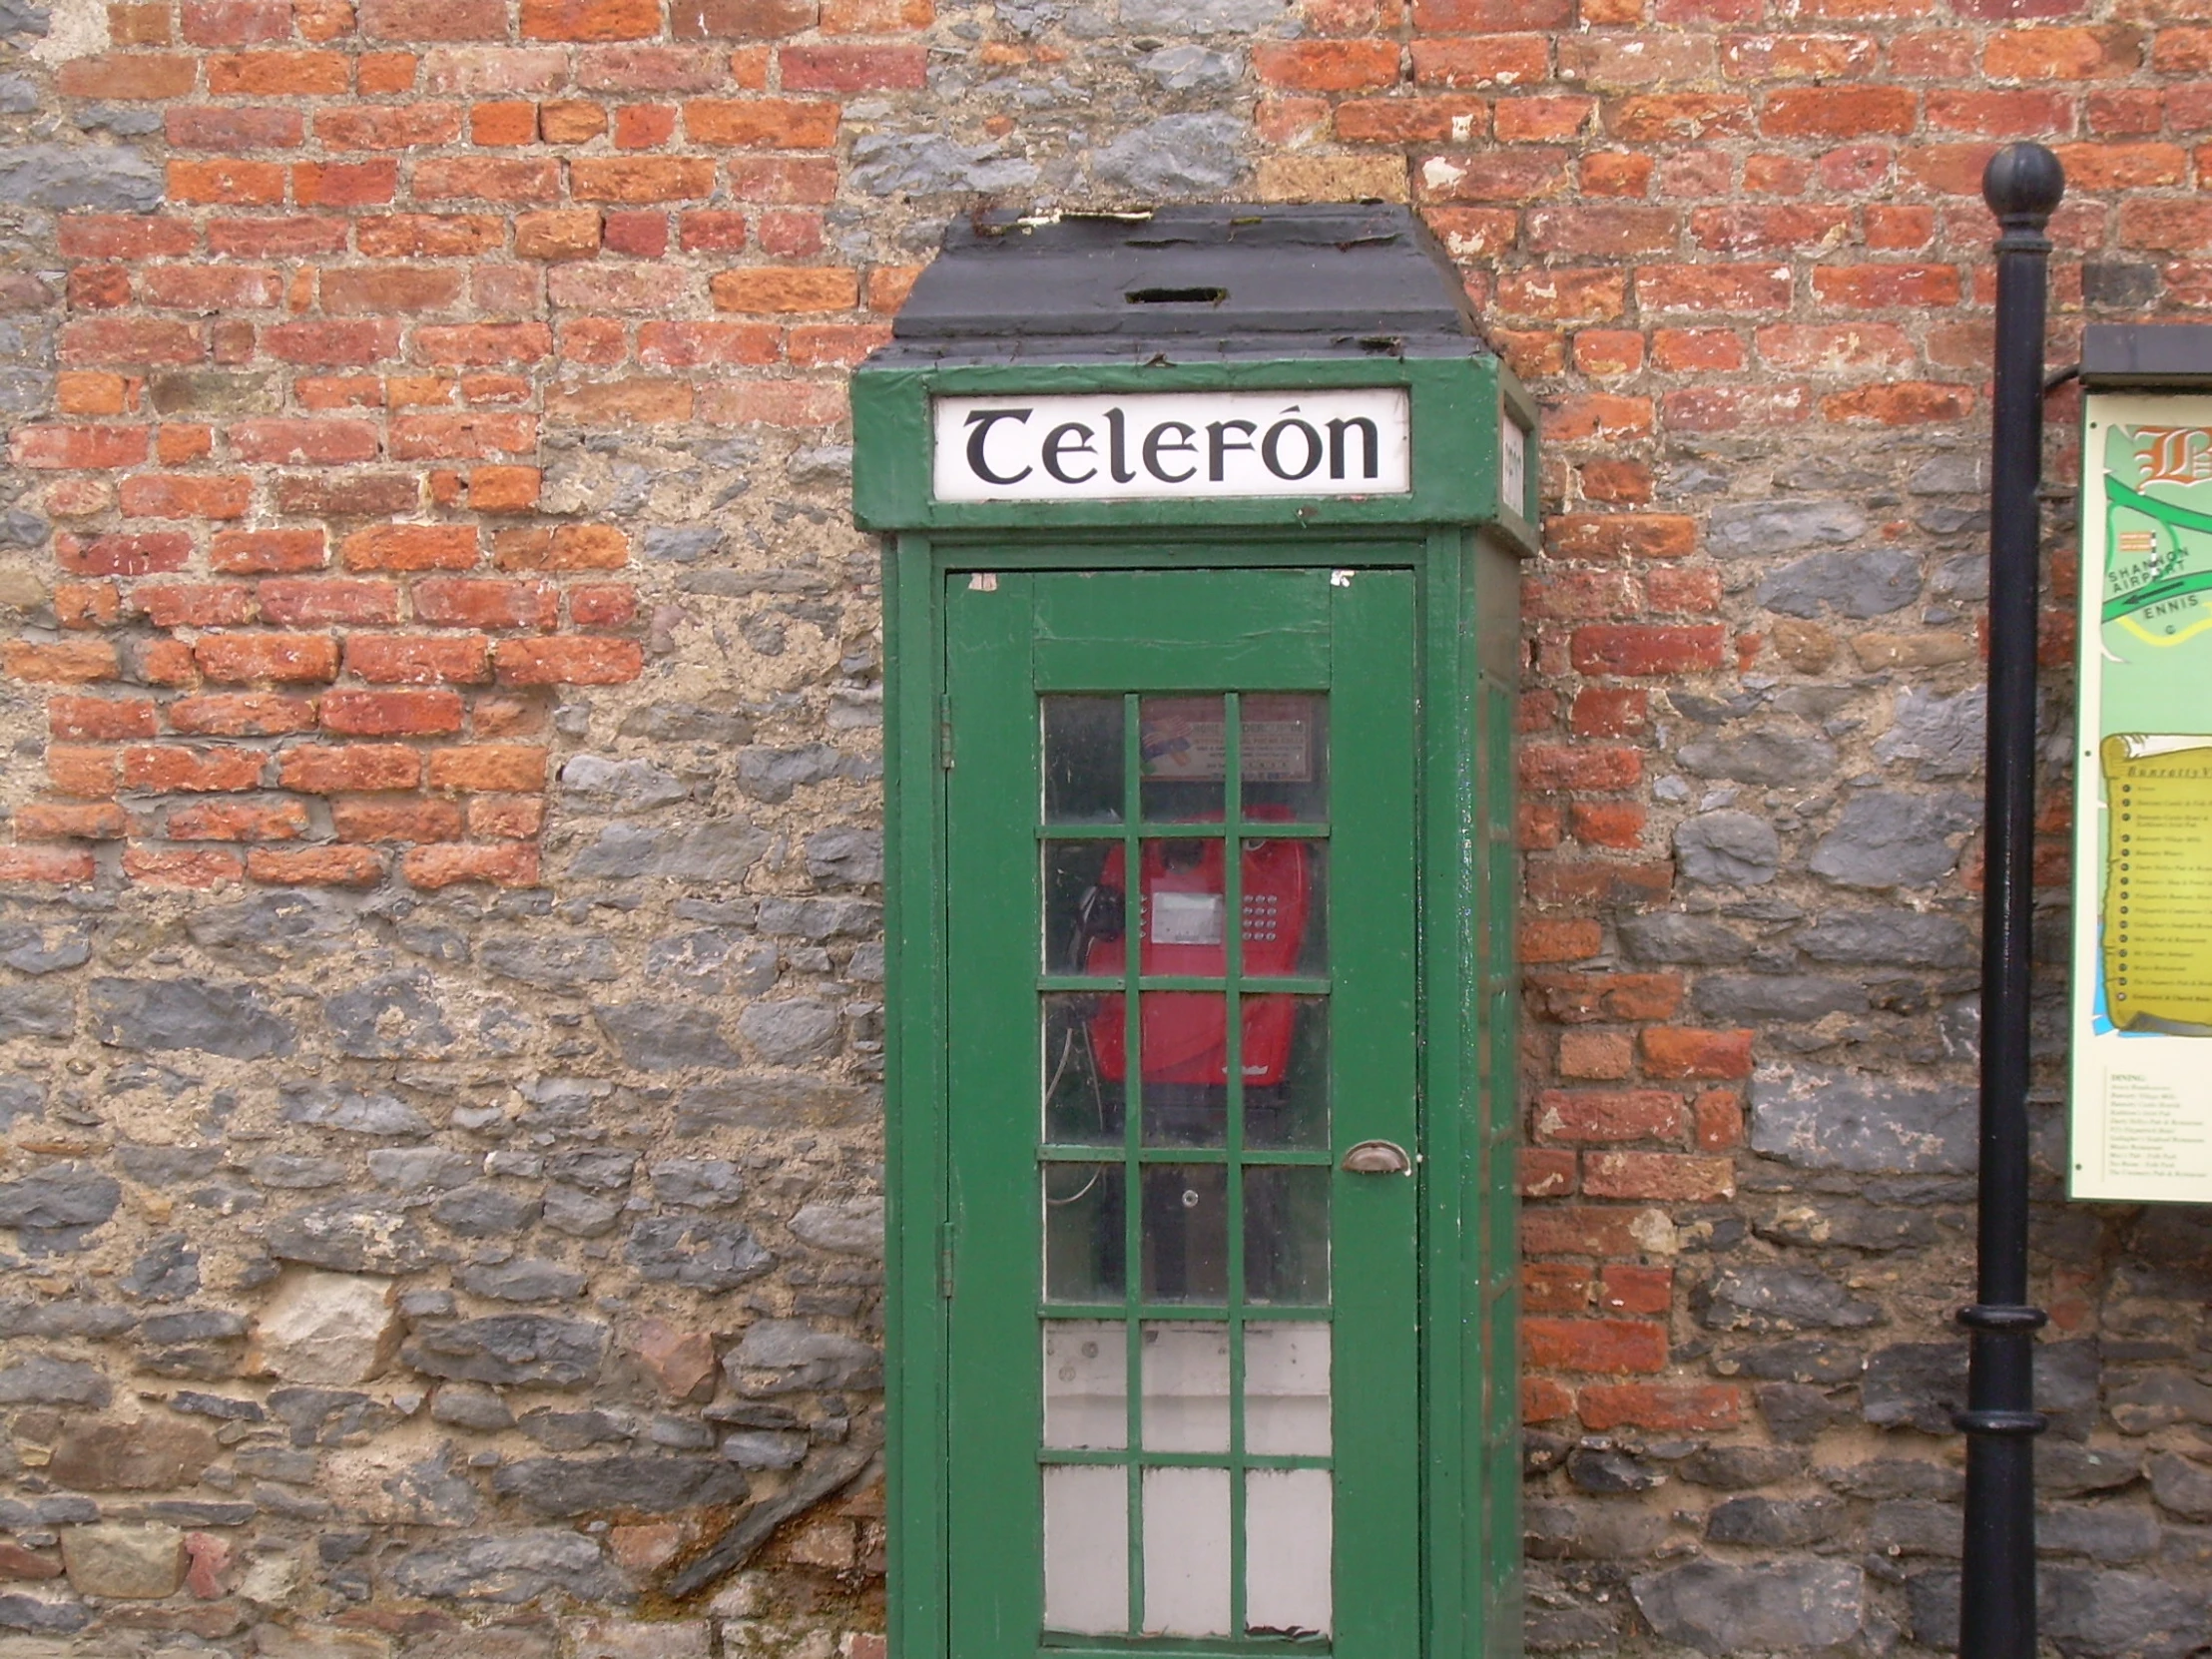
<point>1201,533</point>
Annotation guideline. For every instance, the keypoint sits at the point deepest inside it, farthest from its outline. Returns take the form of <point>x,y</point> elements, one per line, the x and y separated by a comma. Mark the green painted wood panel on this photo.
<point>1007,640</point>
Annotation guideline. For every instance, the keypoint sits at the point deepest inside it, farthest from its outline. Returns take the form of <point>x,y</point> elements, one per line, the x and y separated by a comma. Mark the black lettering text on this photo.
<point>1217,444</point>
<point>1058,447</point>
<point>1154,448</point>
<point>1372,446</point>
<point>1271,447</point>
<point>1117,448</point>
<point>982,420</point>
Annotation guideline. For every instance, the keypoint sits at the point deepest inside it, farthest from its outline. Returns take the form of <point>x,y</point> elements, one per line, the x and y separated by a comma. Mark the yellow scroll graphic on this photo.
<point>2158,883</point>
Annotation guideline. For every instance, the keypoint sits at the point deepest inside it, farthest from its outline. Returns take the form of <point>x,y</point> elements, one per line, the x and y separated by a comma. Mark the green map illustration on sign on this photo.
<point>2154,737</point>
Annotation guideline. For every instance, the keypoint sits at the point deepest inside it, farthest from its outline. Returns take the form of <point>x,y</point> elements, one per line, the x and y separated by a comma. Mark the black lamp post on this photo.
<point>1996,1615</point>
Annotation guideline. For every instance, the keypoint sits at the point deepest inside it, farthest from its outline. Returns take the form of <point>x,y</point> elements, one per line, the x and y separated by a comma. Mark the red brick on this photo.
<point>1559,940</point>
<point>1677,118</point>
<point>433,20</point>
<point>128,77</point>
<point>1749,228</point>
<point>633,179</point>
<point>2069,53</point>
<point>764,178</point>
<point>87,605</point>
<point>207,126</point>
<point>2110,167</point>
<point>137,553</point>
<point>227,183</point>
<point>1665,1408</point>
<point>1545,1172</point>
<point>506,865</point>
<point>488,765</point>
<point>762,123</point>
<point>1729,409</point>
<point>1712,287</point>
<point>590,20</point>
<point>463,437</point>
<point>1563,295</point>
<point>1676,1051</point>
<point>1610,712</point>
<point>1544,1400</point>
<point>1603,231</point>
<point>61,821</point>
<point>410,547</point>
<point>418,660</point>
<point>1720,1121</point>
<point>602,607</point>
<point>1596,1115</point>
<point>568,661</point>
<point>1522,174</point>
<point>1835,347</point>
<point>154,495</point>
<point>256,552</point>
<point>1611,351</point>
<point>1899,404</point>
<point>1638,649</point>
<point>124,237</point>
<point>241,714</point>
<point>238,820</point>
<point>77,447</point>
<point>323,769</point>
<point>316,867</point>
<point>1583,1230</point>
<point>742,19</point>
<point>194,603</point>
<point>1615,823</point>
<point>857,68</point>
<point>1580,766</point>
<point>1626,1288</point>
<point>170,867</point>
<point>486,178</point>
<point>1684,1177</point>
<point>304,442</point>
<point>1595,1057</point>
<point>482,344</point>
<point>2172,226</point>
<point>100,716</point>
<point>382,818</point>
<point>388,714</point>
<point>1839,112</point>
<point>506,817</point>
<point>1325,65</point>
<point>295,603</point>
<point>58,866</point>
<point>63,662</point>
<point>170,769</point>
<point>458,603</point>
<point>1554,1286</point>
<point>1607,1347</point>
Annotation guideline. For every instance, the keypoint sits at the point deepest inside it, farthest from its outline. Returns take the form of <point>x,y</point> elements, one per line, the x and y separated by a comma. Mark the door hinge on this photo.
<point>945,733</point>
<point>945,1235</point>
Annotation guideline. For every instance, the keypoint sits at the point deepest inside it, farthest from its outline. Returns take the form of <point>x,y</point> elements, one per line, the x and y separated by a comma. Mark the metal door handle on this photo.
<point>1377,1157</point>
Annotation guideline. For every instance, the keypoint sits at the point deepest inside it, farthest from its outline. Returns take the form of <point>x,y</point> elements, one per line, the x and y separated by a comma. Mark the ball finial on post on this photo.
<point>2023,184</point>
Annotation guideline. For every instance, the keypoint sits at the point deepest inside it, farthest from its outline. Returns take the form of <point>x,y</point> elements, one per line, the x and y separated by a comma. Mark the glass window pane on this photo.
<point>1286,913</point>
<point>1083,906</point>
<point>1286,1234</point>
<point>1287,1550</point>
<point>1286,757</point>
<point>1083,1242</point>
<point>1082,1105</point>
<point>1186,1386</point>
<point>1082,760</point>
<point>1086,1385</point>
<point>1287,1388</point>
<point>1086,1548</point>
<point>1286,1072</point>
<point>1186,1233</point>
<point>1180,741</point>
<point>1185,1552</point>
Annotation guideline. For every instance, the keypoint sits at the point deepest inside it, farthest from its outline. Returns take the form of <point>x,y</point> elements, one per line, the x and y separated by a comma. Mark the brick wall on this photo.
<point>439,935</point>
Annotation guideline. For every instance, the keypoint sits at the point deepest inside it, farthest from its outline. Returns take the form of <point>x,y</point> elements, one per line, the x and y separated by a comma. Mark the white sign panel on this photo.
<point>1173,447</point>
<point>1512,464</point>
<point>2142,866</point>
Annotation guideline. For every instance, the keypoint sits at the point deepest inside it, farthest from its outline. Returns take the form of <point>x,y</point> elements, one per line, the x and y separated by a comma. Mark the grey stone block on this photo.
<point>1176,155</point>
<point>1755,529</point>
<point>97,178</point>
<point>1719,1608</point>
<point>1819,1118</point>
<point>160,1015</point>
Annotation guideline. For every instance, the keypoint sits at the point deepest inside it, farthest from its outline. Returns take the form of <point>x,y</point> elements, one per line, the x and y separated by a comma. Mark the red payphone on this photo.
<point>1181,922</point>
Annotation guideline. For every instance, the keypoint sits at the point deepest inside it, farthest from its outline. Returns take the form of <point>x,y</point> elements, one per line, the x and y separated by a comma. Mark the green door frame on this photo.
<point>1466,545</point>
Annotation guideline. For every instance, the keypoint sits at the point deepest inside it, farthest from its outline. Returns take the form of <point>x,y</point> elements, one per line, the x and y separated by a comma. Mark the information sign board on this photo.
<point>2142,870</point>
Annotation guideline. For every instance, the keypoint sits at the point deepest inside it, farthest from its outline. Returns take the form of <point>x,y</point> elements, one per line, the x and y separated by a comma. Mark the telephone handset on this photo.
<point>1181,918</point>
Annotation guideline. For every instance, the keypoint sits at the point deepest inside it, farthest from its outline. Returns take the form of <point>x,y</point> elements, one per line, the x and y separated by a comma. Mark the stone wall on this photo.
<point>440,966</point>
